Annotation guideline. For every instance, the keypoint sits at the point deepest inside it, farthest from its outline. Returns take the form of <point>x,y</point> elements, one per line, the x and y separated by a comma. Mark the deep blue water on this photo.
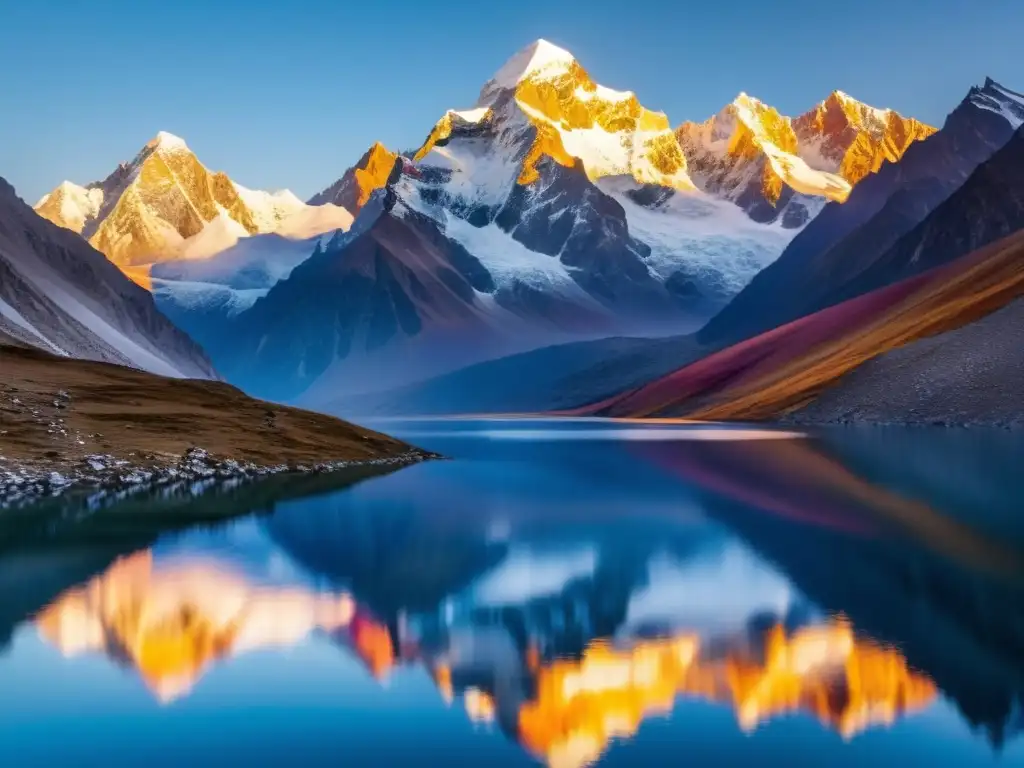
<point>566,593</point>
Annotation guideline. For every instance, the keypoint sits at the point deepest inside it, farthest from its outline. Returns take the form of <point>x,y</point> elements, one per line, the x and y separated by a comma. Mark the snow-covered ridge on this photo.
<point>792,168</point>
<point>752,154</point>
<point>994,97</point>
<point>608,130</point>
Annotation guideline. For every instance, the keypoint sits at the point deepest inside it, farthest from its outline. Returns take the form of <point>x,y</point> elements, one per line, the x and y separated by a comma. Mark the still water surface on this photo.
<point>568,594</point>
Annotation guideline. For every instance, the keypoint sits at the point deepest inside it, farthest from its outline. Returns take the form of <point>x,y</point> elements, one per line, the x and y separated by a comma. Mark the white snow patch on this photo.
<point>269,209</point>
<point>508,260</point>
<point>77,204</point>
<point>715,593</point>
<point>266,259</point>
<point>701,232</point>
<point>313,220</point>
<point>794,170</point>
<point>471,115</point>
<point>168,142</point>
<point>606,153</point>
<point>218,235</point>
<point>480,175</point>
<point>526,575</point>
<point>875,119</point>
<point>206,297</point>
<point>601,93</point>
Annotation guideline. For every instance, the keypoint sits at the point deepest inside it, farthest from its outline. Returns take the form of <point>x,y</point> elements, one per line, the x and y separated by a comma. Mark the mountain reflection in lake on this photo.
<point>571,594</point>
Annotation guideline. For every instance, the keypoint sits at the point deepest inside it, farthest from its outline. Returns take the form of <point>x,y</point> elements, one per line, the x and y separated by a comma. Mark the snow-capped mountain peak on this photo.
<point>537,60</point>
<point>70,205</point>
<point>167,142</point>
<point>542,103</point>
<point>165,204</point>
<point>994,97</point>
<point>845,136</point>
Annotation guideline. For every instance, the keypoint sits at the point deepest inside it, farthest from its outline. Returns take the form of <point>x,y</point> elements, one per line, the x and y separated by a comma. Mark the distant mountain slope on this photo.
<point>59,294</point>
<point>202,295</point>
<point>787,368</point>
<point>823,261</point>
<point>554,377</point>
<point>971,375</point>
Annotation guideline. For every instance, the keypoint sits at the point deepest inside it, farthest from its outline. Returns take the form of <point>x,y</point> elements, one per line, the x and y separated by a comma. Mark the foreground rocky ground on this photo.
<point>71,423</point>
<point>972,376</point>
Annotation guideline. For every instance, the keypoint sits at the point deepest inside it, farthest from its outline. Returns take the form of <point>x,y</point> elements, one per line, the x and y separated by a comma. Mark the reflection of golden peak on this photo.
<point>479,705</point>
<point>171,624</point>
<point>372,642</point>
<point>847,683</point>
<point>442,676</point>
<point>581,706</point>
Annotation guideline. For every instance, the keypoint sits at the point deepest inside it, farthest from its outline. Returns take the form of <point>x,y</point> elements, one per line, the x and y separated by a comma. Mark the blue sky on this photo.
<point>288,93</point>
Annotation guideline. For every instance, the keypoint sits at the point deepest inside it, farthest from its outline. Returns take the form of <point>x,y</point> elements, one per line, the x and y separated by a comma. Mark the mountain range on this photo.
<point>554,209</point>
<point>951,193</point>
<point>560,244</point>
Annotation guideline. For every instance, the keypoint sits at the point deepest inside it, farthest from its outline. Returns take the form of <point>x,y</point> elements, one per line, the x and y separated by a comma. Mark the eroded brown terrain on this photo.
<point>57,411</point>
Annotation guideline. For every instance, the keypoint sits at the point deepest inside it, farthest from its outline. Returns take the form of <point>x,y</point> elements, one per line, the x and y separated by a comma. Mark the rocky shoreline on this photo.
<point>103,432</point>
<point>110,478</point>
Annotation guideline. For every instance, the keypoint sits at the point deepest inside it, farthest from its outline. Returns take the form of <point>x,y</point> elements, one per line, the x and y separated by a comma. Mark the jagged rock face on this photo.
<point>776,168</point>
<point>852,139</point>
<point>824,260</point>
<point>63,296</point>
<point>353,189</point>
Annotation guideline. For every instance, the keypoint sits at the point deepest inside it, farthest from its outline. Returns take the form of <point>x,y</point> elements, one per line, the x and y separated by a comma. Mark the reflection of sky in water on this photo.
<point>576,535</point>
